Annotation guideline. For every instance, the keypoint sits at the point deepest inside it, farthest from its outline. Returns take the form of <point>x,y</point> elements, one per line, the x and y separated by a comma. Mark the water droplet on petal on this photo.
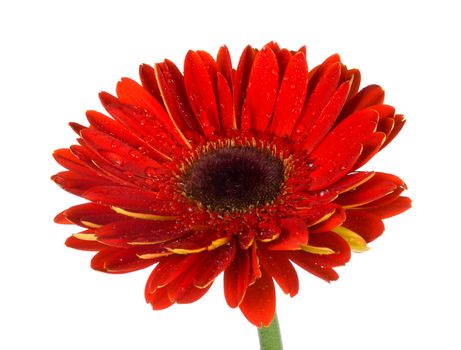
<point>134,154</point>
<point>151,172</point>
<point>113,157</point>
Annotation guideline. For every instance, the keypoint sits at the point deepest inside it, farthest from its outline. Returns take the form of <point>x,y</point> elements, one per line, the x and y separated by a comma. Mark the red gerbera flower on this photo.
<point>243,172</point>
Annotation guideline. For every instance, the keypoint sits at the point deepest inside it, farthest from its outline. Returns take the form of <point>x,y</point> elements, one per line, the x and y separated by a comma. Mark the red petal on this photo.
<point>226,112</point>
<point>294,233</point>
<point>291,96</point>
<point>215,262</point>
<point>280,268</point>
<point>312,215</point>
<point>399,122</point>
<point>224,64</point>
<point>236,278</point>
<point>377,187</point>
<point>192,294</point>
<point>367,225</point>
<point>200,91</point>
<point>129,198</point>
<point>80,244</point>
<point>174,95</point>
<point>261,93</point>
<point>370,148</point>
<point>139,232</point>
<point>130,92</point>
<point>159,298</point>
<point>369,96</point>
<point>118,154</point>
<point>335,220</point>
<point>316,128</point>
<point>115,129</point>
<point>241,81</point>
<point>334,242</point>
<point>112,260</point>
<point>322,93</point>
<point>329,165</point>
<point>308,262</point>
<point>170,268</point>
<point>91,213</point>
<point>151,133</point>
<point>396,207</point>
<point>69,161</point>
<point>77,184</point>
<point>149,81</point>
<point>258,305</point>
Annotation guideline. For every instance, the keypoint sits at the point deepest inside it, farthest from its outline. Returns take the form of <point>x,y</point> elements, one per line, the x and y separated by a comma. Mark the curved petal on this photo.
<point>258,305</point>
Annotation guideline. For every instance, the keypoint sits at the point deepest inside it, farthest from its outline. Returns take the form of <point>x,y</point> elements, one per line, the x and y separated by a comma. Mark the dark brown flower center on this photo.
<point>234,178</point>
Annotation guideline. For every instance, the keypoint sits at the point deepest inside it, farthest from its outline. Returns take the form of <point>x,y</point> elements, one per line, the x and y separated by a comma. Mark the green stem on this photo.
<point>269,337</point>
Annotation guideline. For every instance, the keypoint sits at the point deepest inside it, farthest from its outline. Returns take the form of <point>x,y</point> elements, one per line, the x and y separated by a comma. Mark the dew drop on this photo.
<point>135,154</point>
<point>114,145</point>
<point>128,174</point>
<point>150,172</point>
<point>114,158</point>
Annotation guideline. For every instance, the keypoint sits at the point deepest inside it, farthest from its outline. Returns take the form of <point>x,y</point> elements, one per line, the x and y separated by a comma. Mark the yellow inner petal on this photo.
<point>317,250</point>
<point>143,215</point>
<point>355,241</point>
<point>86,236</point>
<point>90,224</point>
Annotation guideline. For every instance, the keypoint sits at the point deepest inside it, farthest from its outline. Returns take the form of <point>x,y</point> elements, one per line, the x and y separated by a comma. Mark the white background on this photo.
<point>57,55</point>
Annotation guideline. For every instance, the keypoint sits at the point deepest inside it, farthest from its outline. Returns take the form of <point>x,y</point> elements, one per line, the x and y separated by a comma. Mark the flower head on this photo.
<point>244,172</point>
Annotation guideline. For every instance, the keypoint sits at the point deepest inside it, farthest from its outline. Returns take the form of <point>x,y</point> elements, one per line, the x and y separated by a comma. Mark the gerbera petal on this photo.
<point>262,91</point>
<point>112,260</point>
<point>159,298</point>
<point>242,75</point>
<point>236,278</point>
<point>335,220</point>
<point>396,207</point>
<point>334,242</point>
<point>149,81</point>
<point>130,92</point>
<point>168,269</point>
<point>370,148</point>
<point>201,94</point>
<point>294,233</point>
<point>355,241</point>
<point>215,262</point>
<point>366,224</point>
<point>91,214</point>
<point>312,216</point>
<point>315,129</point>
<point>77,184</point>
<point>225,105</point>
<point>173,92</point>
<point>152,134</point>
<point>118,130</point>
<point>399,122</point>
<point>321,94</point>
<point>68,160</point>
<point>369,96</point>
<point>139,232</point>
<point>291,96</point>
<point>280,268</point>
<point>258,305</point>
<point>224,64</point>
<point>310,264</point>
<point>80,244</point>
<point>328,164</point>
<point>130,199</point>
<point>377,187</point>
